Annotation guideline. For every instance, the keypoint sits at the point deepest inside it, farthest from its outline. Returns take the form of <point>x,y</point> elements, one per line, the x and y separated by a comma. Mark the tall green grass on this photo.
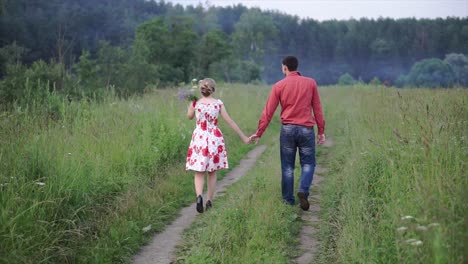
<point>397,187</point>
<point>395,191</point>
<point>80,181</point>
<point>249,224</point>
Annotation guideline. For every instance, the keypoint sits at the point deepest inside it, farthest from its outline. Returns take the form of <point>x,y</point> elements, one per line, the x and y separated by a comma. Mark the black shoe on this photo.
<point>208,205</point>
<point>200,204</point>
<point>303,201</point>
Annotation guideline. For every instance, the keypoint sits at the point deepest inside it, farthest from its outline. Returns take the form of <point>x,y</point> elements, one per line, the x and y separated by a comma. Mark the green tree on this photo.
<point>139,71</point>
<point>111,61</point>
<point>346,79</point>
<point>253,33</point>
<point>213,48</point>
<point>459,65</point>
<point>248,71</point>
<point>431,73</point>
<point>170,45</point>
<point>87,68</point>
<point>13,53</point>
<point>375,81</point>
<point>154,36</point>
<point>182,48</point>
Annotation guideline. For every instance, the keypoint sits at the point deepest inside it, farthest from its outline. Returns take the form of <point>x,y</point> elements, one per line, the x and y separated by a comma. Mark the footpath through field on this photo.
<point>162,247</point>
<point>309,243</point>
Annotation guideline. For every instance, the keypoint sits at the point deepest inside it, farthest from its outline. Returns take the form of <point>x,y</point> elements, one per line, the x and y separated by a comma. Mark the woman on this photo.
<point>207,151</point>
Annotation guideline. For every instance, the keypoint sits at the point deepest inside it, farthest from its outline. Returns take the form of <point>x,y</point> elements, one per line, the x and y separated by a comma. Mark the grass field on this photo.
<point>80,181</point>
<point>398,184</point>
<point>395,192</point>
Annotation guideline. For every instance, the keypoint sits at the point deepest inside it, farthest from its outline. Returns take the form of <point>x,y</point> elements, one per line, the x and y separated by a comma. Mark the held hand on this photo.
<point>254,138</point>
<point>321,139</point>
<point>246,140</point>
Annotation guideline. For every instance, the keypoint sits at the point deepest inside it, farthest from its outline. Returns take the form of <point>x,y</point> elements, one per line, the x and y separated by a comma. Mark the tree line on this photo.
<point>85,47</point>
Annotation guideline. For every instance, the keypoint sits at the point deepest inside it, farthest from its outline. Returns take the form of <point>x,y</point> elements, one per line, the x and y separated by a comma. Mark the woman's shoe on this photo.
<point>200,204</point>
<point>208,205</point>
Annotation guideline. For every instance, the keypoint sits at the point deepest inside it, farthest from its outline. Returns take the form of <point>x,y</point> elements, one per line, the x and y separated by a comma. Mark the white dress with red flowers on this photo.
<point>207,151</point>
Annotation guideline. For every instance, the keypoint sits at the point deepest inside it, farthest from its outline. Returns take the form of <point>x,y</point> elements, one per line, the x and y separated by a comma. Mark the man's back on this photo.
<point>297,94</point>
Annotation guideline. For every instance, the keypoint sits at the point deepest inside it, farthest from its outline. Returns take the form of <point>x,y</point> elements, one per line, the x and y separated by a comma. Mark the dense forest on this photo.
<point>87,46</point>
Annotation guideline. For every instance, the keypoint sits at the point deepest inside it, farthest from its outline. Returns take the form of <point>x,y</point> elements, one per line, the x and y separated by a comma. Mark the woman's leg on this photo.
<point>211,184</point>
<point>199,182</point>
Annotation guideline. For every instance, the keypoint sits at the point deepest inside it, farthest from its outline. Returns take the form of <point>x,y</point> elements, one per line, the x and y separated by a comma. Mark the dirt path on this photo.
<point>308,240</point>
<point>162,247</point>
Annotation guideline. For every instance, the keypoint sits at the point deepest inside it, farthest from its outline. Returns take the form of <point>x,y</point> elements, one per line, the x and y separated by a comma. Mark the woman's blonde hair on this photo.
<point>207,86</point>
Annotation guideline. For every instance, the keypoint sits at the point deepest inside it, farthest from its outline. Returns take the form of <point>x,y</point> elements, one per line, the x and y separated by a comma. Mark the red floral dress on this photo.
<point>207,151</point>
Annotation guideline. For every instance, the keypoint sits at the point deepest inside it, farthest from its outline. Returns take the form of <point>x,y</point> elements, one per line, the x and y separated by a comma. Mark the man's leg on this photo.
<point>288,158</point>
<point>306,142</point>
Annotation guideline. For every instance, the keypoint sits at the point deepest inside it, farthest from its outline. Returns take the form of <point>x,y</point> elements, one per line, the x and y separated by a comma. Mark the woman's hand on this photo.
<point>254,138</point>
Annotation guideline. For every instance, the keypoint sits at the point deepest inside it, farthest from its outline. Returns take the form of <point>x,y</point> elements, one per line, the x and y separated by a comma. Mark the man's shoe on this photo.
<point>200,204</point>
<point>303,201</point>
<point>208,205</point>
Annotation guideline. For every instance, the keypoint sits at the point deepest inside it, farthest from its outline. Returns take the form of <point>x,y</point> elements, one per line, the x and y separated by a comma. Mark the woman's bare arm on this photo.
<point>190,111</point>
<point>233,125</point>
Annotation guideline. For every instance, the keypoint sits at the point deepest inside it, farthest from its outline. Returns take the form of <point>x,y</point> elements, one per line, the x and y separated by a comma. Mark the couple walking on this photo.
<point>298,97</point>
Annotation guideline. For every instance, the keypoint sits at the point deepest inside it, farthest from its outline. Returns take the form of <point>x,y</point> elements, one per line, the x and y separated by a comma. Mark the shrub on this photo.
<point>26,86</point>
<point>431,73</point>
<point>375,81</point>
<point>459,65</point>
<point>346,79</point>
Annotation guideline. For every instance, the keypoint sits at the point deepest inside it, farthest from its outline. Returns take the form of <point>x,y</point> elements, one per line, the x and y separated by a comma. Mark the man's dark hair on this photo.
<point>291,62</point>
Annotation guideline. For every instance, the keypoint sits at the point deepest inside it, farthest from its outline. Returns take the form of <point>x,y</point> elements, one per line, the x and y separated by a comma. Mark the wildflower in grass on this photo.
<point>421,228</point>
<point>40,183</point>
<point>416,243</point>
<point>411,240</point>
<point>3,184</point>
<point>136,107</point>
<point>406,217</point>
<point>433,225</point>
<point>146,228</point>
<point>402,229</point>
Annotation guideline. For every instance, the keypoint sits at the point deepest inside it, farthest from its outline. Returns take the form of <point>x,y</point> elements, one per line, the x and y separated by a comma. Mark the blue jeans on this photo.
<point>295,137</point>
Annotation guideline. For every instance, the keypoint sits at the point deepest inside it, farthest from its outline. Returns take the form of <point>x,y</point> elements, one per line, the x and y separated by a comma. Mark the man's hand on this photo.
<point>254,138</point>
<point>321,139</point>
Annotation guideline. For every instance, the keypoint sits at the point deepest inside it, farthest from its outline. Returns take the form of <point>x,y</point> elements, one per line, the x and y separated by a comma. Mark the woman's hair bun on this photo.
<point>207,86</point>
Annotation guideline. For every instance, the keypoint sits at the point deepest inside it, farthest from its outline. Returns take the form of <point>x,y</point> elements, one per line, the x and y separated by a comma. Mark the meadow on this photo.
<point>397,188</point>
<point>80,181</point>
<point>88,182</point>
<point>395,191</point>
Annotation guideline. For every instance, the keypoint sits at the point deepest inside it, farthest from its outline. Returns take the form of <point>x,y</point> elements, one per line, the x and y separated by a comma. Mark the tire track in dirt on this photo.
<point>162,247</point>
<point>309,243</point>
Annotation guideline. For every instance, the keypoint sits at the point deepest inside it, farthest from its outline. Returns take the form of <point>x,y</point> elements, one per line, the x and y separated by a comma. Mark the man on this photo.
<point>298,97</point>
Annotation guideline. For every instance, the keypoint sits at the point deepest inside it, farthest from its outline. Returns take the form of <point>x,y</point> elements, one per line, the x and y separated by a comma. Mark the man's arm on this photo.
<point>318,114</point>
<point>268,112</point>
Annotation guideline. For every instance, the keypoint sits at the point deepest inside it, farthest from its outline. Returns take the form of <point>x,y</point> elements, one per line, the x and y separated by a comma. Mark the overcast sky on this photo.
<point>345,9</point>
